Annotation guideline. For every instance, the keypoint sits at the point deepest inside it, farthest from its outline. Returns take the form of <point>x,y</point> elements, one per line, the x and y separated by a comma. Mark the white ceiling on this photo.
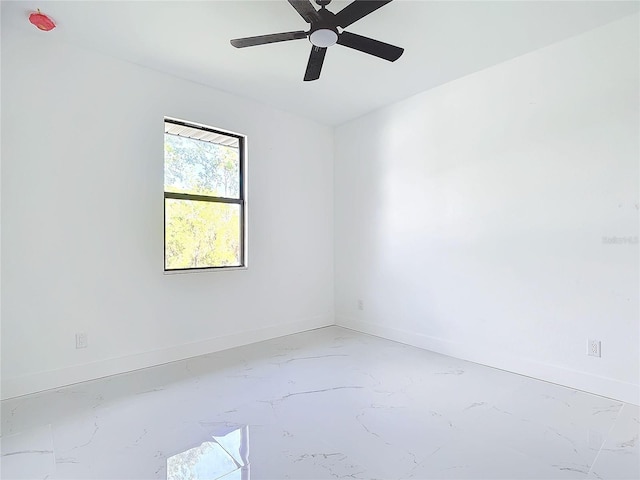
<point>190,39</point>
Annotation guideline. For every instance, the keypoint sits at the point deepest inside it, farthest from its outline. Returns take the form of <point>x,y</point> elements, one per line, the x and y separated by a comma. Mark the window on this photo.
<point>204,204</point>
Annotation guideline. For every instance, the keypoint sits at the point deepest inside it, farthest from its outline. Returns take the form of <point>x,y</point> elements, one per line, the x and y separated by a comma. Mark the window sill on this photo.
<point>204,270</point>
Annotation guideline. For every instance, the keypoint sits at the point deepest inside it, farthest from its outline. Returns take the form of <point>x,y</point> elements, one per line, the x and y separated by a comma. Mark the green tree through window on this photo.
<point>204,198</point>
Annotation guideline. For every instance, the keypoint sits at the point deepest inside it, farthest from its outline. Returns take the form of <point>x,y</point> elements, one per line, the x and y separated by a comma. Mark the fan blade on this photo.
<point>356,10</point>
<point>306,10</point>
<point>263,39</point>
<point>370,46</point>
<point>315,63</point>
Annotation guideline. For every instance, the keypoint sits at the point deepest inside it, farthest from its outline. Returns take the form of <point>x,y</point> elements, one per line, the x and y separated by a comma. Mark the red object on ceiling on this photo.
<point>41,21</point>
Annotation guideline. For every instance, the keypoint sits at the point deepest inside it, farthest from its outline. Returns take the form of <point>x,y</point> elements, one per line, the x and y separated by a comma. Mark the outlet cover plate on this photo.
<point>81,340</point>
<point>594,348</point>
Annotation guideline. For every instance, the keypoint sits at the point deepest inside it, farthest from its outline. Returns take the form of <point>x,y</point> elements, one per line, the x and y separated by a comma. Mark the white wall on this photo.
<point>82,213</point>
<point>470,218</point>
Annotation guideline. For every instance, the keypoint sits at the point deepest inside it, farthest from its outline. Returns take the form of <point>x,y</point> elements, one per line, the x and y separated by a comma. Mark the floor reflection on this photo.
<point>226,457</point>
<point>325,404</point>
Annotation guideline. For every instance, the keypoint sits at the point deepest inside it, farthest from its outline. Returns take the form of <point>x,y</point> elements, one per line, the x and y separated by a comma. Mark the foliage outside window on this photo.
<point>203,197</point>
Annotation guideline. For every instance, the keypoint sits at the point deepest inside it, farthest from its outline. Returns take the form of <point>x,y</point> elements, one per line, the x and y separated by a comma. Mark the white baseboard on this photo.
<point>38,382</point>
<point>606,387</point>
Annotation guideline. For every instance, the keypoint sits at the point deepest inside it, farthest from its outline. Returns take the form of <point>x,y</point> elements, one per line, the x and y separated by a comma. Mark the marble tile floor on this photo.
<point>329,403</point>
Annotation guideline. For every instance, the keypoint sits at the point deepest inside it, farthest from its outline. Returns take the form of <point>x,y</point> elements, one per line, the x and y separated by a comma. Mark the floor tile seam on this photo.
<point>606,438</point>
<point>453,440</point>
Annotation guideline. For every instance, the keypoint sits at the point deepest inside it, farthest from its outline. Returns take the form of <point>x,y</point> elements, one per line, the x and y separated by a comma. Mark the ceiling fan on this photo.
<point>324,33</point>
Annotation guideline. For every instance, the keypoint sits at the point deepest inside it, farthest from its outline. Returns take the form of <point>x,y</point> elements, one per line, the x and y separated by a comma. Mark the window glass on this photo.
<point>199,167</point>
<point>203,198</point>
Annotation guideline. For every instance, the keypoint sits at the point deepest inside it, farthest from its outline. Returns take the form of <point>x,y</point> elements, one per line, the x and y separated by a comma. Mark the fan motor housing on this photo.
<point>325,32</point>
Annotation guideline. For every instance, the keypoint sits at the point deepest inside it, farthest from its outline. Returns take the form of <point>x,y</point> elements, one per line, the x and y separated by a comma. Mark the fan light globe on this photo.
<point>323,37</point>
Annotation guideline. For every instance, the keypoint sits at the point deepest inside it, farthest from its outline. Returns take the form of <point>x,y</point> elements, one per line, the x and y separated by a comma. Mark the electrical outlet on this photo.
<point>81,340</point>
<point>360,305</point>
<point>594,348</point>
